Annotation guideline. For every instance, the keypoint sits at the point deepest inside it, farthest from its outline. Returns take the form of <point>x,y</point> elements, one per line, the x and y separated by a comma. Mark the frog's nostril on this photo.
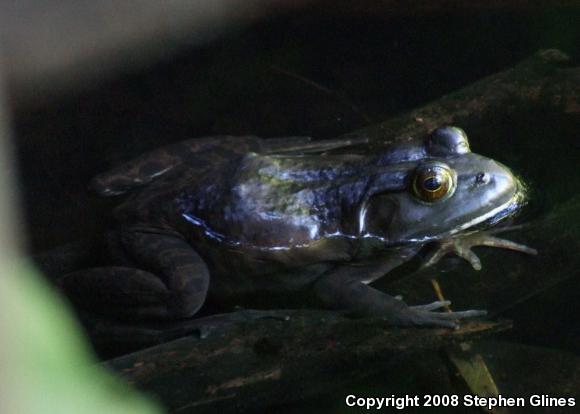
<point>482,178</point>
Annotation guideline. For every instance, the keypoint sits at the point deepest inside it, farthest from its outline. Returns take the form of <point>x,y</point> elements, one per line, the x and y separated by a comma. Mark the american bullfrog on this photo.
<point>230,217</point>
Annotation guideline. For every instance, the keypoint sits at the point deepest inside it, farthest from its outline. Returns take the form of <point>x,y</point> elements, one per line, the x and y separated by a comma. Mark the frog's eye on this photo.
<point>433,182</point>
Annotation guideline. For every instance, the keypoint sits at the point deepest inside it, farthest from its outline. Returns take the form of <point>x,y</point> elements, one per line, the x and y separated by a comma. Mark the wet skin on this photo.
<point>235,217</point>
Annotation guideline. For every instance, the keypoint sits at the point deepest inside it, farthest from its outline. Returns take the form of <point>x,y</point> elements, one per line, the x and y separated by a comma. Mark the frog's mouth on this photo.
<point>507,210</point>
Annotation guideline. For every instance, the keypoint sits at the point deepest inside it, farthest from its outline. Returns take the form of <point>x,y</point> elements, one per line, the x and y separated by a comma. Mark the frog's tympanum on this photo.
<point>230,217</point>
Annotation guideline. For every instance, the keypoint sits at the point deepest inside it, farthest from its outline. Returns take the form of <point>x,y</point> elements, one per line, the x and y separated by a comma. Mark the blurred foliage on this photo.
<point>45,365</point>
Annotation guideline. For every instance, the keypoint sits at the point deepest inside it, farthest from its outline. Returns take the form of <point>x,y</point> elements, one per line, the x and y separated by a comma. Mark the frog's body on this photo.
<point>232,217</point>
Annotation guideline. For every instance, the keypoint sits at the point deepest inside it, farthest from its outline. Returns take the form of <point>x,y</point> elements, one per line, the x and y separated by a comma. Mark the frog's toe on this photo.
<point>436,255</point>
<point>468,254</point>
<point>432,306</point>
<point>491,241</point>
<point>422,317</point>
<point>468,314</point>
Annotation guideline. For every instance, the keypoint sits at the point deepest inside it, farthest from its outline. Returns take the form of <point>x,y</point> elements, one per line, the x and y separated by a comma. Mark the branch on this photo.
<point>544,80</point>
<point>256,361</point>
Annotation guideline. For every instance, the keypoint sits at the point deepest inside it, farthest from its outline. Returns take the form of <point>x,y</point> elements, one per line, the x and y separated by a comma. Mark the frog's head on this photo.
<point>448,190</point>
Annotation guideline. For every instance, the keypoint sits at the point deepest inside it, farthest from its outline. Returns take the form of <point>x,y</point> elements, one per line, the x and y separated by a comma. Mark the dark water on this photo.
<point>319,75</point>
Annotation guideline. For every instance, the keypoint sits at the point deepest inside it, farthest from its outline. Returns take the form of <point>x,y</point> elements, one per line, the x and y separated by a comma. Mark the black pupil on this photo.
<point>432,183</point>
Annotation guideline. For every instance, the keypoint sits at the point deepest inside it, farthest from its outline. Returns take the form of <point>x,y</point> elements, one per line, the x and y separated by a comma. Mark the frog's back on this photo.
<point>199,186</point>
<point>205,179</point>
<point>273,202</point>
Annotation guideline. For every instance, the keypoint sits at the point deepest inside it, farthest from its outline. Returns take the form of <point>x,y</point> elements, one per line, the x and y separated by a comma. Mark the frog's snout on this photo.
<point>505,193</point>
<point>505,183</point>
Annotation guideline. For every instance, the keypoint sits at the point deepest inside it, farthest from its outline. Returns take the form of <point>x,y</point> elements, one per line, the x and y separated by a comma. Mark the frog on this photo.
<point>231,218</point>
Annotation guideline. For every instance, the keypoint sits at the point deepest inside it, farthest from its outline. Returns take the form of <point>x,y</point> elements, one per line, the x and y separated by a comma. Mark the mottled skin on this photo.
<point>236,217</point>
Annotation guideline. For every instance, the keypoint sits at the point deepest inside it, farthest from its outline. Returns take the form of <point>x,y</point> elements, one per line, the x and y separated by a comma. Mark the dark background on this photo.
<point>319,71</point>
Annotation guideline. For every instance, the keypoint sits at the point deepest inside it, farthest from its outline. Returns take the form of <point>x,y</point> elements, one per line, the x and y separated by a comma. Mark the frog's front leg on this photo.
<point>169,281</point>
<point>340,289</point>
<point>461,246</point>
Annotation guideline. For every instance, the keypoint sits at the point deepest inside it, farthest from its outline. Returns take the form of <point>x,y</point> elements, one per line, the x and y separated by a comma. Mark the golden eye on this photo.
<point>432,182</point>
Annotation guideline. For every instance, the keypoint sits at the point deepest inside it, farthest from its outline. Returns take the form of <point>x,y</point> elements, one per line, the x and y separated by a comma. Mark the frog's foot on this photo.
<point>461,246</point>
<point>423,315</point>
